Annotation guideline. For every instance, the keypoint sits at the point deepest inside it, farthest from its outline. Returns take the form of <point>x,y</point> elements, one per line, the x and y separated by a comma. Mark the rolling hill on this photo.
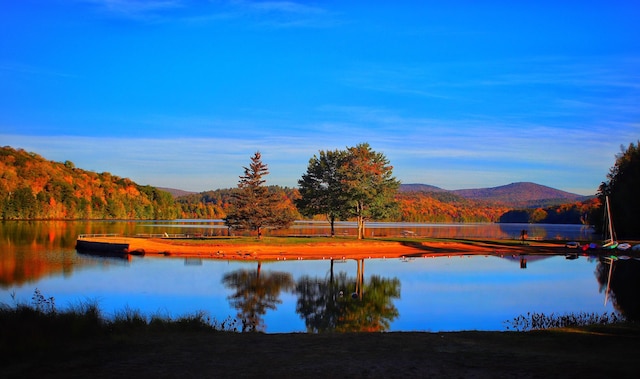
<point>520,194</point>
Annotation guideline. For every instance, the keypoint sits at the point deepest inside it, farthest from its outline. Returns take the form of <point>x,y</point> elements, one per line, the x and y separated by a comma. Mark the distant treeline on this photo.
<point>575,213</point>
<point>414,206</point>
<point>33,188</point>
<point>215,204</point>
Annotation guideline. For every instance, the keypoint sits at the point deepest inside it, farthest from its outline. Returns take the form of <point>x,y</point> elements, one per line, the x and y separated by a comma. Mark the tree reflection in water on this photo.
<point>343,304</point>
<point>624,285</point>
<point>255,293</point>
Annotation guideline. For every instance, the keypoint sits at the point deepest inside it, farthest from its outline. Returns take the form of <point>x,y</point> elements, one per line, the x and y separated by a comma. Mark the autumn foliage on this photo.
<point>32,187</point>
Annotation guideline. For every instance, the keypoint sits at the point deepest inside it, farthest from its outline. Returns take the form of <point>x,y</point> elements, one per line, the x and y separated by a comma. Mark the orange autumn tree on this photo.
<point>368,184</point>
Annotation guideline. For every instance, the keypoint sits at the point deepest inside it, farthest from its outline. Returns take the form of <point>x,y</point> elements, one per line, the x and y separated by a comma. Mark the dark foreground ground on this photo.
<point>605,352</point>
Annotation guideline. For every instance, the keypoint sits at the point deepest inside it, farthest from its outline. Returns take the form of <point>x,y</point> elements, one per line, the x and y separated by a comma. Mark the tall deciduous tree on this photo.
<point>320,187</point>
<point>622,188</point>
<point>355,183</point>
<point>254,207</point>
<point>368,184</point>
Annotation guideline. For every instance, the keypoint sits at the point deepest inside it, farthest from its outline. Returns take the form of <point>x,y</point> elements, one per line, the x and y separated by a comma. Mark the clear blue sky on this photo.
<point>457,94</point>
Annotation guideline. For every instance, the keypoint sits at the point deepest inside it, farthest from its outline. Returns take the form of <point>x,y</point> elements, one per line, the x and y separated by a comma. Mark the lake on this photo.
<point>422,294</point>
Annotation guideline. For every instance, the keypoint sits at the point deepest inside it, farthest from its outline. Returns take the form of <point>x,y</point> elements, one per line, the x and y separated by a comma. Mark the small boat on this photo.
<point>573,245</point>
<point>624,246</point>
<point>610,245</point>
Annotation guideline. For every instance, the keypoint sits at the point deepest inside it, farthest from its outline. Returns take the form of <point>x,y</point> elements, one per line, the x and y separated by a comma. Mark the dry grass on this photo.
<point>39,341</point>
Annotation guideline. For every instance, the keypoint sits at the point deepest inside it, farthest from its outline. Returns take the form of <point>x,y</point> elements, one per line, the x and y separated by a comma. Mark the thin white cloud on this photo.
<point>283,14</point>
<point>280,14</point>
<point>280,7</point>
<point>138,9</point>
<point>27,69</point>
<point>547,73</point>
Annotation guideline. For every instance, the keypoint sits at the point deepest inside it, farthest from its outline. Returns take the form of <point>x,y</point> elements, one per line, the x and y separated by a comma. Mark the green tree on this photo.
<point>255,293</point>
<point>346,304</point>
<point>21,204</point>
<point>622,188</point>
<point>254,206</point>
<point>368,185</point>
<point>320,187</point>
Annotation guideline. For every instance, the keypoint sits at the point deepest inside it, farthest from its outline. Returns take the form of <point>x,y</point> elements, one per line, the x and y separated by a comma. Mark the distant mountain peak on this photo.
<point>176,192</point>
<point>417,187</point>
<point>521,194</point>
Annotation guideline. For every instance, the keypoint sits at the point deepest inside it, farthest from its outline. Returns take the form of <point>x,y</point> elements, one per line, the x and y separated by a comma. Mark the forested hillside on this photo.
<point>521,194</point>
<point>572,213</point>
<point>419,206</point>
<point>32,187</point>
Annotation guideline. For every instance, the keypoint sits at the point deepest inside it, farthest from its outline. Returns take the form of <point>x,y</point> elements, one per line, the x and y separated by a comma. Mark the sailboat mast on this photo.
<point>609,218</point>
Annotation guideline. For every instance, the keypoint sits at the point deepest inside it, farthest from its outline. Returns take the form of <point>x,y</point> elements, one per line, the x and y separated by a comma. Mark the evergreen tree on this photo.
<point>622,188</point>
<point>254,206</point>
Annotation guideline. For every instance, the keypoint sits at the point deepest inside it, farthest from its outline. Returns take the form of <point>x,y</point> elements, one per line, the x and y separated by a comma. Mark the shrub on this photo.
<point>538,321</point>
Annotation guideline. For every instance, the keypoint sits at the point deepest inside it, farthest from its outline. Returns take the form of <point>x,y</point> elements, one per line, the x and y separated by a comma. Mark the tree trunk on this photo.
<point>332,221</point>
<point>360,219</point>
<point>360,227</point>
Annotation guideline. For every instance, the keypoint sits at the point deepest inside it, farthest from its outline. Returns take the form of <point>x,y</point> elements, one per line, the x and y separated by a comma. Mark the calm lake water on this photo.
<point>423,294</point>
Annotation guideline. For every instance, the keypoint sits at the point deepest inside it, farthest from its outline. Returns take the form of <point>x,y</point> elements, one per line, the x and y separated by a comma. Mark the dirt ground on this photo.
<point>608,352</point>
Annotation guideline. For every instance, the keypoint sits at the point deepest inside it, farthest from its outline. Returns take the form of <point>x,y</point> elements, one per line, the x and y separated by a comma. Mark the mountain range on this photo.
<point>519,194</point>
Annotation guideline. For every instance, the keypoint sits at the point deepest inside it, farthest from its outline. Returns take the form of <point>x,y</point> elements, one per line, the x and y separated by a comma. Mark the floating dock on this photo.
<point>102,244</point>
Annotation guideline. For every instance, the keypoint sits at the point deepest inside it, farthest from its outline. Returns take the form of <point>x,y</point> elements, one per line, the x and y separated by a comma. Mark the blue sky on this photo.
<point>457,94</point>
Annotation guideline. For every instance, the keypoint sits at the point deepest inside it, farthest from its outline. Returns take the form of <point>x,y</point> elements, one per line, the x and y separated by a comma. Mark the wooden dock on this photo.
<point>102,244</point>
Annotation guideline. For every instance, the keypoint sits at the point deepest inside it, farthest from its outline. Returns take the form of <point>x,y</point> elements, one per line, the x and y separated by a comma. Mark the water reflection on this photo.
<point>437,294</point>
<point>255,293</point>
<point>32,250</point>
<point>622,280</point>
<point>346,304</point>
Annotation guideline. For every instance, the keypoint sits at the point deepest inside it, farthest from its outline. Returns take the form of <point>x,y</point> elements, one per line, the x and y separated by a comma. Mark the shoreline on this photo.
<point>331,249</point>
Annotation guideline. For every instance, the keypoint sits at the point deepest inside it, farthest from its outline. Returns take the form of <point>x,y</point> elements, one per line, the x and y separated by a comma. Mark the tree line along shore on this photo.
<point>33,188</point>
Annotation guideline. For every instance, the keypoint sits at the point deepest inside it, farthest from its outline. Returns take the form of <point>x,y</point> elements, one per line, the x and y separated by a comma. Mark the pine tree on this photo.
<point>254,207</point>
<point>622,186</point>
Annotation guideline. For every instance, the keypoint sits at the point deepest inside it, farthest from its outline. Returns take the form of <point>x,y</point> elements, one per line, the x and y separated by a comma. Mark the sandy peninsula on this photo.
<point>329,248</point>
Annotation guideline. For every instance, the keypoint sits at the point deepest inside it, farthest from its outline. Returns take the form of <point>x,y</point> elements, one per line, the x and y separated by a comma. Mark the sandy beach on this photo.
<point>329,249</point>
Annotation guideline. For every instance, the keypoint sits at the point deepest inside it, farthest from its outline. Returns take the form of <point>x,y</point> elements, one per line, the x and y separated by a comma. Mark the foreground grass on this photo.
<point>39,326</point>
<point>39,341</point>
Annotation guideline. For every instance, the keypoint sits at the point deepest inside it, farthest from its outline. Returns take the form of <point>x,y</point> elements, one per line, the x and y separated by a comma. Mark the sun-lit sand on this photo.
<point>332,249</point>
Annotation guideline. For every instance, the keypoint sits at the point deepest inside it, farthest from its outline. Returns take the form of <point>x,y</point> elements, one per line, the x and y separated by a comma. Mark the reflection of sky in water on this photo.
<point>483,292</point>
<point>437,294</point>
